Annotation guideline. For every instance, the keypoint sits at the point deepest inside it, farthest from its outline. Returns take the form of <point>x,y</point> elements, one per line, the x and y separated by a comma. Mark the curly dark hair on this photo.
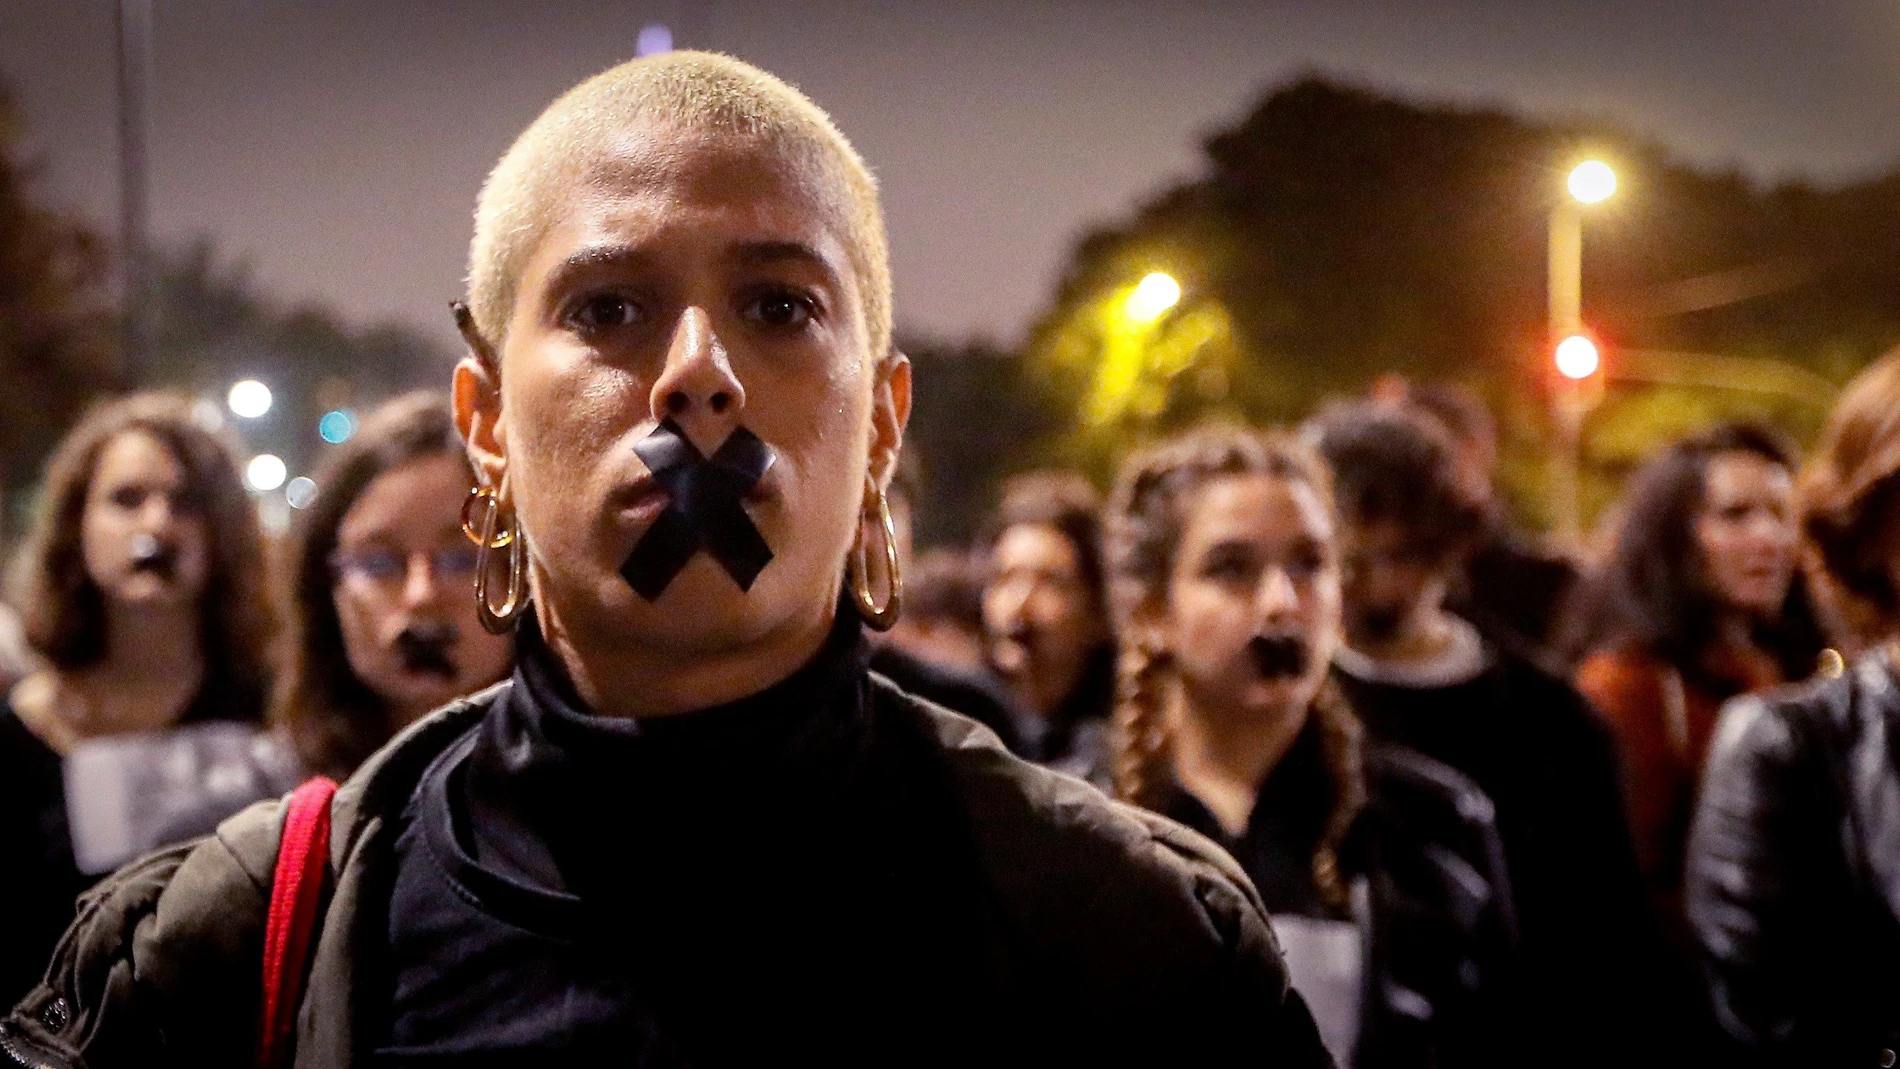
<point>1146,519</point>
<point>1392,464</point>
<point>62,609</point>
<point>332,717</point>
<point>1654,591</point>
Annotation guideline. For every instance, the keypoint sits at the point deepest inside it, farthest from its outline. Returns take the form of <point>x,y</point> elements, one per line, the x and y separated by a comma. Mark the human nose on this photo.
<point>697,389</point>
<point>418,583</point>
<point>1279,601</point>
<point>155,513</point>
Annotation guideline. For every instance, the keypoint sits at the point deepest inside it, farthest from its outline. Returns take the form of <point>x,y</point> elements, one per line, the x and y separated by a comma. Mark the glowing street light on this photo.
<point>265,472</point>
<point>1577,357</point>
<point>1155,294</point>
<point>1592,182</point>
<point>249,398</point>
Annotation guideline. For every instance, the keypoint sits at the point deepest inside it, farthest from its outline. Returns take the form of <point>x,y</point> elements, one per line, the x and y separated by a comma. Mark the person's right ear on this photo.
<point>478,411</point>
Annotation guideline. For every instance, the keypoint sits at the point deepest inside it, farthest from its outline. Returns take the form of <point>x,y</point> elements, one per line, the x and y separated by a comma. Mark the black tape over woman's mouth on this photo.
<point>1278,656</point>
<point>149,554</point>
<point>706,510</point>
<point>425,648</point>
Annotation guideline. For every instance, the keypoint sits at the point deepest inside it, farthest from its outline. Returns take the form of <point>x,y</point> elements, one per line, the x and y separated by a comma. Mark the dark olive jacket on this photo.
<point>1148,936</point>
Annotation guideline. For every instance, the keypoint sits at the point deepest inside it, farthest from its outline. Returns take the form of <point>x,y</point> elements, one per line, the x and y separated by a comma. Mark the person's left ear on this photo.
<point>890,413</point>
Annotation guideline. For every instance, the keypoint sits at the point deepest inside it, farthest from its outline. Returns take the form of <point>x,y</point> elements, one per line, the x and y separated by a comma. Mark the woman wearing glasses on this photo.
<point>382,627</point>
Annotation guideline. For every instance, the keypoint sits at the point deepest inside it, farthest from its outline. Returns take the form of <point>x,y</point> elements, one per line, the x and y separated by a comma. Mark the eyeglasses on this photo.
<point>386,566</point>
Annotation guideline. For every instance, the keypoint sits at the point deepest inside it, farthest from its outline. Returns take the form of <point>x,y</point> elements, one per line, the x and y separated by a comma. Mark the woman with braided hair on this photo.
<point>1379,866</point>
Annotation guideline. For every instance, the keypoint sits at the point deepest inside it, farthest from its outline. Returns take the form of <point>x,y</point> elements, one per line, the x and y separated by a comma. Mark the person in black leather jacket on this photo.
<point>1381,867</point>
<point>693,829</point>
<point>1793,874</point>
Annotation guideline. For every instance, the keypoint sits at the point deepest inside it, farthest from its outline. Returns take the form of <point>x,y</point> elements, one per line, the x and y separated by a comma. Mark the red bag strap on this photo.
<point>295,891</point>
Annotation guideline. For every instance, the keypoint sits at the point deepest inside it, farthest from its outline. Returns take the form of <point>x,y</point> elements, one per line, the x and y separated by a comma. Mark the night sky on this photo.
<point>336,147</point>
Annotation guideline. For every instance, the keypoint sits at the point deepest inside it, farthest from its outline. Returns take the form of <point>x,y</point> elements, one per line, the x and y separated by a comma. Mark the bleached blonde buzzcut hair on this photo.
<point>699,92</point>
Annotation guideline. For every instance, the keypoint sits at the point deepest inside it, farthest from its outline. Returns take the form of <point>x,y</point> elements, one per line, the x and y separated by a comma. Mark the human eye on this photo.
<point>378,565</point>
<point>1228,565</point>
<point>127,497</point>
<point>780,309</point>
<point>599,312</point>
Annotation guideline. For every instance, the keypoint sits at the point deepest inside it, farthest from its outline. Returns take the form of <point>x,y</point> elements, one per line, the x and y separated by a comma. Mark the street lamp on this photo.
<point>1590,182</point>
<point>1577,357</point>
<point>1154,294</point>
<point>249,398</point>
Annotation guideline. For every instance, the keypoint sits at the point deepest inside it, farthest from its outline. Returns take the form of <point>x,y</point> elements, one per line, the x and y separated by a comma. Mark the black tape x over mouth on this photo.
<point>706,510</point>
<point>1278,656</point>
<point>424,648</point>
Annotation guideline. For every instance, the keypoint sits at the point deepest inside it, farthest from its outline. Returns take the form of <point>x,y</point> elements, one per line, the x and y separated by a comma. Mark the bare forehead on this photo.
<point>135,455</point>
<point>1257,506</point>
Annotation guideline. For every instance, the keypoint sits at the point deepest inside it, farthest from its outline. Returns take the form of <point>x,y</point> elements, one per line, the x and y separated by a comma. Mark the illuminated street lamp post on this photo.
<point>1591,182</point>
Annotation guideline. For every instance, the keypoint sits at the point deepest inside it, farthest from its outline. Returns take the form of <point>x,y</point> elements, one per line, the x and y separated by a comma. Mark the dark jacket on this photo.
<point>1116,936</point>
<point>1438,929</point>
<point>41,878</point>
<point>1590,950</point>
<point>1793,876</point>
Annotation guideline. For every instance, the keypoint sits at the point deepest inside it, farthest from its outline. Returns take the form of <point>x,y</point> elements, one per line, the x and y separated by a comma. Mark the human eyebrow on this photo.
<point>594,257</point>
<point>773,253</point>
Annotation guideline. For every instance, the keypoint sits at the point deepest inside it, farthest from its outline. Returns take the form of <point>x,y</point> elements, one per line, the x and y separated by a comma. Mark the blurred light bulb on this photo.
<point>1154,295</point>
<point>1577,357</point>
<point>654,39</point>
<point>265,472</point>
<point>1592,182</point>
<point>337,426</point>
<point>249,398</point>
<point>301,492</point>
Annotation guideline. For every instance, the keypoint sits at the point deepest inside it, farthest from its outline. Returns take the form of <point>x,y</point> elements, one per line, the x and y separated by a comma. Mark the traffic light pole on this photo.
<point>1568,402</point>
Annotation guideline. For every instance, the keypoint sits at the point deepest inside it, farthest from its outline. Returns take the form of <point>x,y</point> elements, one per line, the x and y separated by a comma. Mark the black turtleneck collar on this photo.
<point>548,798</point>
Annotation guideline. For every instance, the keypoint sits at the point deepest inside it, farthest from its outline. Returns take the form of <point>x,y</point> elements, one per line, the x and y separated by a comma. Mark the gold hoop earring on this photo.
<point>482,523</point>
<point>885,618</point>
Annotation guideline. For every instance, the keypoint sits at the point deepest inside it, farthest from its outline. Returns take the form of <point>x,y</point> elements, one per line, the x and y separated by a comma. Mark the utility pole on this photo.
<point>138,327</point>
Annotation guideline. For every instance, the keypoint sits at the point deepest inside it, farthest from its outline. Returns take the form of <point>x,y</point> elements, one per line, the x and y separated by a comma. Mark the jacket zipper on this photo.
<point>21,1055</point>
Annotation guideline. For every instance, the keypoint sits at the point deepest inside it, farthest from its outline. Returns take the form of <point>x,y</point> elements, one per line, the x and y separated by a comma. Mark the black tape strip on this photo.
<point>707,510</point>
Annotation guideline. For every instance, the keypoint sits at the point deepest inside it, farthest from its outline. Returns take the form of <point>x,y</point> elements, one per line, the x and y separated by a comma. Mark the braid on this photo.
<point>1342,745</point>
<point>1142,739</point>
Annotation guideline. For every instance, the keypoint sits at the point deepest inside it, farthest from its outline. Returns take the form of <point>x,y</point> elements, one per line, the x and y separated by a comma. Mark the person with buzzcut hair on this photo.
<point>1425,678</point>
<point>692,828</point>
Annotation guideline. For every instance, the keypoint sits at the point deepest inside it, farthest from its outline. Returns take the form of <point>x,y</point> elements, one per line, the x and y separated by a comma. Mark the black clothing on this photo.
<point>1590,950</point>
<point>977,695</point>
<point>1792,884</point>
<point>1075,738</point>
<point>791,877</point>
<point>1515,594</point>
<point>42,879</point>
<point>1440,927</point>
<point>37,893</point>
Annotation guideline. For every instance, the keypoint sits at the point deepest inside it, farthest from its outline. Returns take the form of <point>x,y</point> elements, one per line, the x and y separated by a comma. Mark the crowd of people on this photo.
<point>1391,785</point>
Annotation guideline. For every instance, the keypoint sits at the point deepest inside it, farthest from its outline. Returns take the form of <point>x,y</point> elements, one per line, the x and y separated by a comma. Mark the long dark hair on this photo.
<point>332,717</point>
<point>63,610</point>
<point>1654,593</point>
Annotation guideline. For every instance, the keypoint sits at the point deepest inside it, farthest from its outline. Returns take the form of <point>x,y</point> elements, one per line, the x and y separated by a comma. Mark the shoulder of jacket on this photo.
<point>1779,724</point>
<point>1416,781</point>
<point>183,928</point>
<point>1119,893</point>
